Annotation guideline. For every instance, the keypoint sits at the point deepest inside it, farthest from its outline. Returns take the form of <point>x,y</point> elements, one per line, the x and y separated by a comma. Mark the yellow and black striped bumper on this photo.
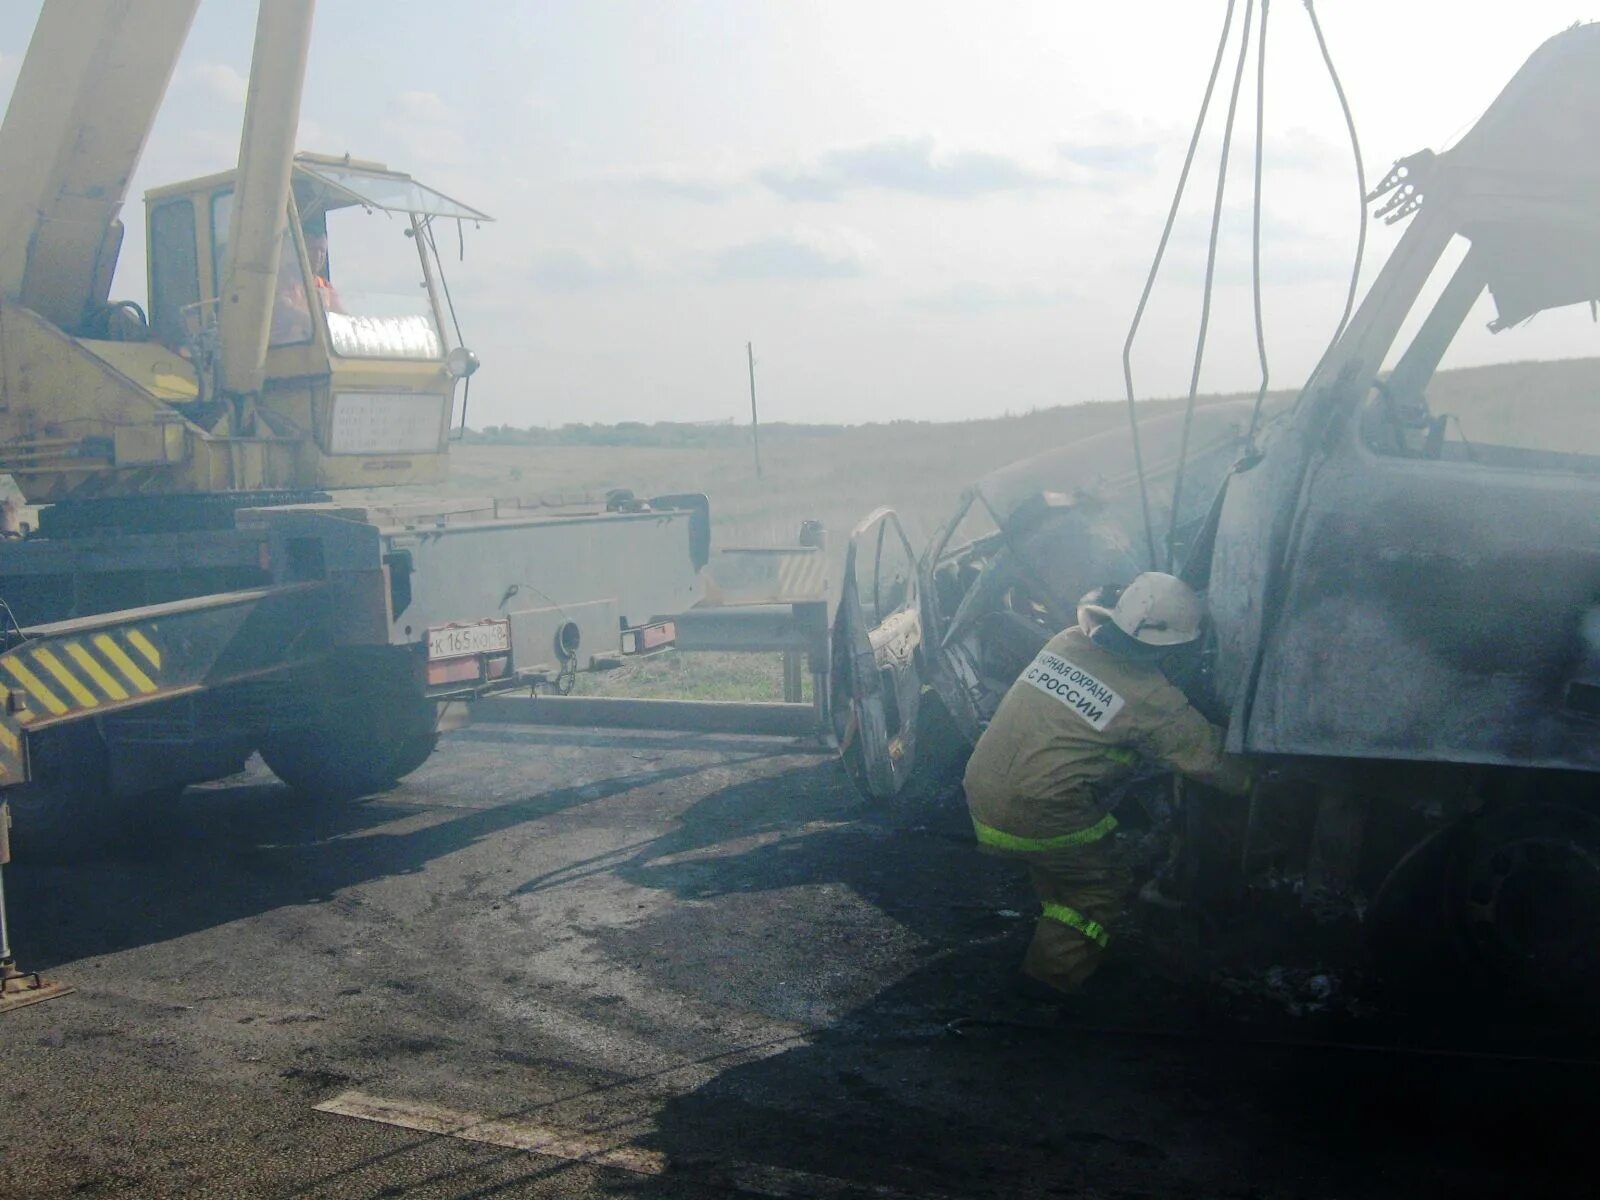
<point>65,675</point>
<point>72,670</point>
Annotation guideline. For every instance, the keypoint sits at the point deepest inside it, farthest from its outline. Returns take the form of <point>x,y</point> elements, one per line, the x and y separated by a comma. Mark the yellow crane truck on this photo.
<point>192,591</point>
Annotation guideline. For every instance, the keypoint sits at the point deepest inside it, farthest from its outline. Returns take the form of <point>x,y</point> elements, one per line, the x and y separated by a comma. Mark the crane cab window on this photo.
<point>373,287</point>
<point>174,273</point>
<point>291,306</point>
<point>378,276</point>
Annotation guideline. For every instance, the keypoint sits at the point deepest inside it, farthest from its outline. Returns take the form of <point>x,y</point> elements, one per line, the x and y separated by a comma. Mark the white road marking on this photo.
<point>517,1134</point>
<point>510,1132</point>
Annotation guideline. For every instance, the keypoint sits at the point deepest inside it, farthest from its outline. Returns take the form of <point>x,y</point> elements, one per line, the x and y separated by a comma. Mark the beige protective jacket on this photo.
<point>1078,721</point>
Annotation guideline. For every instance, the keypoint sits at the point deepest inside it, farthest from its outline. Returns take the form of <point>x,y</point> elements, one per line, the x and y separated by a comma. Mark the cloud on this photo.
<point>1300,149</point>
<point>1291,260</point>
<point>682,187</point>
<point>1293,251</point>
<point>911,165</point>
<point>427,128</point>
<point>1293,151</point>
<point>803,255</point>
<point>972,299</point>
<point>1112,158</point>
<point>706,182</point>
<point>1108,148</point>
<point>422,106</point>
<point>1193,228</point>
<point>1315,264</point>
<point>318,138</point>
<point>698,184</point>
<point>572,271</point>
<point>221,82</point>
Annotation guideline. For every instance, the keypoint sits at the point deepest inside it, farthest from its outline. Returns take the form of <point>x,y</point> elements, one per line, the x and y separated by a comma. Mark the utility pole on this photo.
<point>755,424</point>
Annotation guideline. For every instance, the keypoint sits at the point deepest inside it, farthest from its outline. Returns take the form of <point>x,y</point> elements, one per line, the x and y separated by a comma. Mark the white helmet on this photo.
<point>1156,609</point>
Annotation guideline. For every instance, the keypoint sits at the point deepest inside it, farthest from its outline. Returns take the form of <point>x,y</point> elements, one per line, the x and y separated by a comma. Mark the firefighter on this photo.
<point>1089,712</point>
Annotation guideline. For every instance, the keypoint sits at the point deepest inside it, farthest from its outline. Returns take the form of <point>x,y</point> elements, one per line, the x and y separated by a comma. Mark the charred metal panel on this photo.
<point>1437,609</point>
<point>1424,605</point>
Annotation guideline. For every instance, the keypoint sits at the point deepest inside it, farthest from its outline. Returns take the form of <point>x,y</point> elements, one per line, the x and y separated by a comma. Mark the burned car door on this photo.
<point>1006,573</point>
<point>877,637</point>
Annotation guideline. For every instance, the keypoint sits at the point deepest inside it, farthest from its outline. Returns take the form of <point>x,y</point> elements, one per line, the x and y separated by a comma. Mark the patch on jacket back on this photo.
<point>1073,686</point>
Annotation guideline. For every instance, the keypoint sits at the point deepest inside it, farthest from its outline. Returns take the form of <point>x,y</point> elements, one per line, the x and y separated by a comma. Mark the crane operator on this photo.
<point>1092,709</point>
<point>291,310</point>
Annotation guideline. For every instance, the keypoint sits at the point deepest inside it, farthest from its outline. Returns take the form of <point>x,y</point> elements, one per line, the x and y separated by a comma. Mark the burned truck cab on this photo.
<point>1408,573</point>
<point>1405,579</point>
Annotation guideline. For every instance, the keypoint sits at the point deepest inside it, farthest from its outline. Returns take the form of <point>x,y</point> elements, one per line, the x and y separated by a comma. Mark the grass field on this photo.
<point>839,474</point>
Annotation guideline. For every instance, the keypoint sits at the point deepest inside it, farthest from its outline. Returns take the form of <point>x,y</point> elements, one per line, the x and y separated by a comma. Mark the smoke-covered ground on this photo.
<point>701,957</point>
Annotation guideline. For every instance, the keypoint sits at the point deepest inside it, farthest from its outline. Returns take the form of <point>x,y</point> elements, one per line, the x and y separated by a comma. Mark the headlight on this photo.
<point>460,363</point>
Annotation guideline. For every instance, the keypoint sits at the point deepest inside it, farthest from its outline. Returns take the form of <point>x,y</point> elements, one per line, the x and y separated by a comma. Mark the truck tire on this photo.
<point>330,764</point>
<point>1497,910</point>
<point>363,737</point>
<point>415,751</point>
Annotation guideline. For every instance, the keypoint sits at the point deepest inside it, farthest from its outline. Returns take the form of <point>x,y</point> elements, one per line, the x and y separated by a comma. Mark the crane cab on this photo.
<point>359,369</point>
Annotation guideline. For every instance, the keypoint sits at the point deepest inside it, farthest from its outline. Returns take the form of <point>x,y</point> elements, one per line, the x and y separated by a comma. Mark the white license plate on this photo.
<point>457,641</point>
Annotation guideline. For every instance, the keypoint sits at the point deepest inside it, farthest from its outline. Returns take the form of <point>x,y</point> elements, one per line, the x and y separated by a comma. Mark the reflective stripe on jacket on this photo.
<point>999,839</point>
<point>1071,917</point>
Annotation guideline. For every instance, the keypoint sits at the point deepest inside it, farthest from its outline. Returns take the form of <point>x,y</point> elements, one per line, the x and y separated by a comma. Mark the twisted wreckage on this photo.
<point>1406,622</point>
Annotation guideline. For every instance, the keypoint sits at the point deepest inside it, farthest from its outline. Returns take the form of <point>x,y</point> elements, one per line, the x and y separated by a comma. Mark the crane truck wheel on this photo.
<point>332,764</point>
<point>367,730</point>
<point>413,752</point>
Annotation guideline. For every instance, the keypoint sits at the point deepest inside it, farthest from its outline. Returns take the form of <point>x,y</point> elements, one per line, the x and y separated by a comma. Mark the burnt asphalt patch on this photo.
<point>706,949</point>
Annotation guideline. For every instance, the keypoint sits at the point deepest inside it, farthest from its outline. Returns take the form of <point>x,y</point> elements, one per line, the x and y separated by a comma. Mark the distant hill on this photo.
<point>663,434</point>
<point>1538,405</point>
<point>839,473</point>
<point>1528,404</point>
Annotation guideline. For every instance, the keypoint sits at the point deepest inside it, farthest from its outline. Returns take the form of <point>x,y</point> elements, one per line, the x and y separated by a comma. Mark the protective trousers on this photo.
<point>1080,886</point>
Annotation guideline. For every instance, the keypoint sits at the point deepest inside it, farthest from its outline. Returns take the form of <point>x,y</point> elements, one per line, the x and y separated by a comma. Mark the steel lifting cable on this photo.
<point>1210,280</point>
<point>1255,225</point>
<point>1361,173</point>
<point>1155,269</point>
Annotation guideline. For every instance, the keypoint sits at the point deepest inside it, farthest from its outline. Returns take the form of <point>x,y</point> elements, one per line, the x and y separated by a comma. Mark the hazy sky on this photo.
<point>913,209</point>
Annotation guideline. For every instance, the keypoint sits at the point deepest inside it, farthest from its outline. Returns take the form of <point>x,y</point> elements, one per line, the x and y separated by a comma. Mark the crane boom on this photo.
<point>266,160</point>
<point>83,105</point>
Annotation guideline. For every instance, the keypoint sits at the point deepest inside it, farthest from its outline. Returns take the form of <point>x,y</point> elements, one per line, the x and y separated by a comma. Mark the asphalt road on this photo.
<point>662,966</point>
